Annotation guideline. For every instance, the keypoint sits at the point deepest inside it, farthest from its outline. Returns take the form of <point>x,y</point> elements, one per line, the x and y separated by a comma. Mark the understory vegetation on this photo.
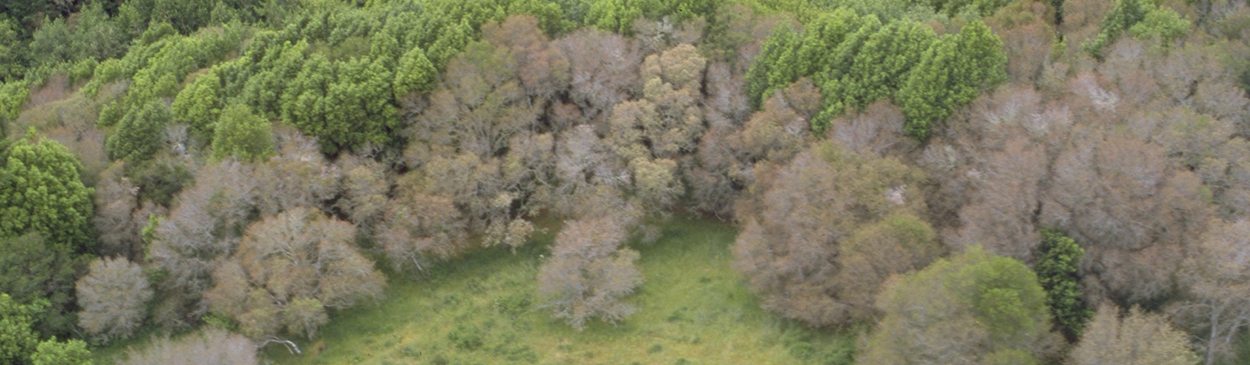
<point>624,181</point>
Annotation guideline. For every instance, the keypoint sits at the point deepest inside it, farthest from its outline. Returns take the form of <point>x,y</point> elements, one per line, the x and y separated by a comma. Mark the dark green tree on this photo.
<point>383,46</point>
<point>19,344</point>
<point>50,44</point>
<point>40,191</point>
<point>836,81</point>
<point>33,269</point>
<point>415,74</point>
<point>140,133</point>
<point>619,15</point>
<point>839,57</point>
<point>93,35</point>
<point>199,104</point>
<point>951,74</point>
<point>1057,7</point>
<point>12,95</point>
<point>242,135</point>
<point>822,37</point>
<point>450,41</point>
<point>158,180</point>
<point>96,36</point>
<point>23,10</point>
<point>302,99</point>
<point>767,66</point>
<point>1057,270</point>
<point>1120,19</point>
<point>553,16</point>
<point>279,65</point>
<point>882,65</point>
<point>185,15</point>
<point>954,7</point>
<point>344,108</point>
<point>17,340</point>
<point>12,51</point>
<point>614,15</point>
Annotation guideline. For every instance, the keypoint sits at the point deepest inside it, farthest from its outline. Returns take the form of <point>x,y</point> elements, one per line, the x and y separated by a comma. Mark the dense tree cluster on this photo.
<point>816,247</point>
<point>968,180</point>
<point>288,269</point>
<point>973,308</point>
<point>1135,337</point>
<point>856,60</point>
<point>20,344</point>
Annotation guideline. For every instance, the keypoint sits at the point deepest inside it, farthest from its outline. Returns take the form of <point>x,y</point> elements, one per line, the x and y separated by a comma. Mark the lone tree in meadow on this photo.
<point>589,273</point>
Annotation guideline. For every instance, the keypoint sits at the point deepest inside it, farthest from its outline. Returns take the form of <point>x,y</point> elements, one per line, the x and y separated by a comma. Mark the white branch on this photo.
<point>290,346</point>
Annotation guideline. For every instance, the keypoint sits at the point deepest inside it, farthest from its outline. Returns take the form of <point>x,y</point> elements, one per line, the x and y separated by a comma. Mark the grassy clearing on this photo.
<point>692,309</point>
<point>482,309</point>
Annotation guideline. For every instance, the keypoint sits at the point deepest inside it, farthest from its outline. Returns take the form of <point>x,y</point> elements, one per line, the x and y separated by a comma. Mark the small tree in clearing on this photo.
<point>589,273</point>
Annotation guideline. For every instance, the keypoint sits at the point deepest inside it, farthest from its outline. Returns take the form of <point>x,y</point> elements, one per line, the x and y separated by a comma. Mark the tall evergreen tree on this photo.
<point>140,133</point>
<point>1057,270</point>
<point>767,66</point>
<point>951,74</point>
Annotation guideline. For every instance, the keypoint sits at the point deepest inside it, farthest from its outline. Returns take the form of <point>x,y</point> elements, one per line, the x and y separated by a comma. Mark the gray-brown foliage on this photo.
<point>1216,274</point>
<point>119,215</point>
<point>777,132</point>
<point>794,248</point>
<point>113,297</point>
<point>297,176</point>
<point>208,347</point>
<point>419,227</point>
<point>1002,216</point>
<point>1131,210</point>
<point>877,129</point>
<point>585,166</point>
<point>480,105</point>
<point>1136,337</point>
<point>604,69</point>
<point>543,69</point>
<point>589,273</point>
<point>204,226</point>
<point>288,269</point>
<point>365,187</point>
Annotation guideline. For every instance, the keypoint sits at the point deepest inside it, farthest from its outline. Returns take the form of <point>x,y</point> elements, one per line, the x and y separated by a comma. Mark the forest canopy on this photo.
<point>1045,180</point>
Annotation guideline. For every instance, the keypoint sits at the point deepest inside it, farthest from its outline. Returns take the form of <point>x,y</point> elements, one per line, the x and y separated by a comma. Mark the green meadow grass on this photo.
<point>692,308</point>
